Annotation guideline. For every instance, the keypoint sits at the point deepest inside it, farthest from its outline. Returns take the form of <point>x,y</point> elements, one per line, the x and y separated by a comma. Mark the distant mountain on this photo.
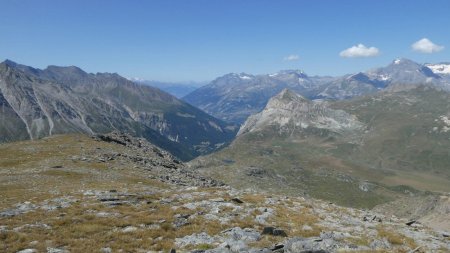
<point>37,103</point>
<point>358,152</point>
<point>234,97</point>
<point>176,89</point>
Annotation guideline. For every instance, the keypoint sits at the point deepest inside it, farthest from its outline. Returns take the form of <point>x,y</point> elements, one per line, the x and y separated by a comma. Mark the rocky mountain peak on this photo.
<point>404,61</point>
<point>291,113</point>
<point>296,72</point>
<point>287,96</point>
<point>65,70</point>
<point>9,63</point>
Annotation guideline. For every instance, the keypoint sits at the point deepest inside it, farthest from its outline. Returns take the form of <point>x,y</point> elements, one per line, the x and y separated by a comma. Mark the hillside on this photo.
<point>360,152</point>
<point>116,193</point>
<point>37,103</point>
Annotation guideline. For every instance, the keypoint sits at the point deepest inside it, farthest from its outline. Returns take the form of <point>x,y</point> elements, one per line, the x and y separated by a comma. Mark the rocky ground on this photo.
<point>115,193</point>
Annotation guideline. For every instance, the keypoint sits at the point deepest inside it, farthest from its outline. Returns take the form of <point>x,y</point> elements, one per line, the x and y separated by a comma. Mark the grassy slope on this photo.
<point>37,171</point>
<point>398,150</point>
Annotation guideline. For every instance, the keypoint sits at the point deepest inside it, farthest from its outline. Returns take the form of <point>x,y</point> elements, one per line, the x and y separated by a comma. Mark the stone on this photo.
<point>194,239</point>
<point>180,221</point>
<point>267,231</point>
<point>409,223</point>
<point>27,251</point>
<point>277,247</point>
<point>380,244</point>
<point>273,231</point>
<point>246,234</point>
<point>106,250</point>
<point>266,213</point>
<point>301,245</point>
<point>56,250</point>
<point>129,229</point>
<point>279,232</point>
<point>236,200</point>
<point>306,228</point>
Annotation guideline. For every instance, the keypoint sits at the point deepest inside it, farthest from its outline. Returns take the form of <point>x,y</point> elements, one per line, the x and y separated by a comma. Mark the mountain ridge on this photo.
<point>233,97</point>
<point>67,99</point>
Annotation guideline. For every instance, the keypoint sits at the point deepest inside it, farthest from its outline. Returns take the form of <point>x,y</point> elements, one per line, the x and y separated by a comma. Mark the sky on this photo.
<point>199,40</point>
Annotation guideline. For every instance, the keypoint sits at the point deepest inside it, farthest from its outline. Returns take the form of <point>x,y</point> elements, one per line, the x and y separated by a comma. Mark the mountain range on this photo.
<point>77,176</point>
<point>57,100</point>
<point>370,134</point>
<point>234,97</point>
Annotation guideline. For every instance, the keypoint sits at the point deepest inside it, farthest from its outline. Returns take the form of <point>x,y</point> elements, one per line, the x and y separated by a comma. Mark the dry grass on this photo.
<point>35,178</point>
<point>292,221</point>
<point>253,198</point>
<point>395,238</point>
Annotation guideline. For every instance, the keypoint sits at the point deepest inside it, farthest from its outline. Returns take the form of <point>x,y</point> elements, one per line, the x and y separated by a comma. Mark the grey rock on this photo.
<point>297,245</point>
<point>246,234</point>
<point>273,231</point>
<point>380,244</point>
<point>181,220</point>
<point>57,250</point>
<point>106,250</point>
<point>267,230</point>
<point>237,200</point>
<point>194,239</point>
<point>279,232</point>
<point>129,229</point>
<point>27,251</point>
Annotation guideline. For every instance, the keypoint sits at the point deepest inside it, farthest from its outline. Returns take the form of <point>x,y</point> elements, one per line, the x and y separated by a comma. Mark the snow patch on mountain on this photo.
<point>440,68</point>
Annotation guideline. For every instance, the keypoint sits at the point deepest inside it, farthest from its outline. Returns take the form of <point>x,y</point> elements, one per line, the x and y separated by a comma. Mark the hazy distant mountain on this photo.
<point>37,103</point>
<point>358,152</point>
<point>177,89</point>
<point>234,97</point>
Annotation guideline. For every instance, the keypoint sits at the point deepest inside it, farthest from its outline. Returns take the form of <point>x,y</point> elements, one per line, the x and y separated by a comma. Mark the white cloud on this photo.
<point>360,51</point>
<point>426,46</point>
<point>292,57</point>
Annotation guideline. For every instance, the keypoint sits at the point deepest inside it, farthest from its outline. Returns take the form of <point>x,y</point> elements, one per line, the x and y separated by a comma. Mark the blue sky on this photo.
<point>200,40</point>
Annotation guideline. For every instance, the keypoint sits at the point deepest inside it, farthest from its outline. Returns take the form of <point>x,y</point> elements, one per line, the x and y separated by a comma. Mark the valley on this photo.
<point>233,126</point>
<point>314,148</point>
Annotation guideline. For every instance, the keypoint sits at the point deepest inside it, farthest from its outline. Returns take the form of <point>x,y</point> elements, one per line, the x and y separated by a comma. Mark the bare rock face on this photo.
<point>36,103</point>
<point>290,113</point>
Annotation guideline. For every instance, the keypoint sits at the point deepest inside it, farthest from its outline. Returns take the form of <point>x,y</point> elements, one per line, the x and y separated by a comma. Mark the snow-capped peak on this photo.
<point>439,68</point>
<point>135,79</point>
<point>397,61</point>
<point>245,77</point>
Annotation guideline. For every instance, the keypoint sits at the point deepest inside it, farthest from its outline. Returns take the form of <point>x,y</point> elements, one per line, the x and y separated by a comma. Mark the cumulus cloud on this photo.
<point>360,51</point>
<point>426,46</point>
<point>292,57</point>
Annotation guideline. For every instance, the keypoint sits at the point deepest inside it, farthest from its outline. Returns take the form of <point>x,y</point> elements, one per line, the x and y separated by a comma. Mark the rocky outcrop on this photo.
<point>290,113</point>
<point>160,163</point>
